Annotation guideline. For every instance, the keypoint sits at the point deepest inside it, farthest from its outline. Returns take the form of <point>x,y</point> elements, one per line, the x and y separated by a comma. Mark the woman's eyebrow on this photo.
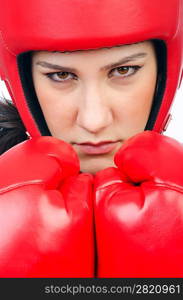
<point>124,60</point>
<point>45,64</point>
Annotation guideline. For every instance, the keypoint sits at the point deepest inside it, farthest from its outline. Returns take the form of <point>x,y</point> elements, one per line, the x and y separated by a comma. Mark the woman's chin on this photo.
<point>95,164</point>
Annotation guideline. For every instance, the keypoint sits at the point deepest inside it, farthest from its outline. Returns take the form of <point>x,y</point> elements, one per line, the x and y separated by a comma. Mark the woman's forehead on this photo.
<point>121,50</point>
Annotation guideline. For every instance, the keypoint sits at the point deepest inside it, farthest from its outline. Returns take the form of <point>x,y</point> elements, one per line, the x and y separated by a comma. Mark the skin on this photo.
<point>96,96</point>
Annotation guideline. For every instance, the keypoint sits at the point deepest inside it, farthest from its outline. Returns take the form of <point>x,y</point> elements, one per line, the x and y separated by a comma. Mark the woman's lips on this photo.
<point>99,148</point>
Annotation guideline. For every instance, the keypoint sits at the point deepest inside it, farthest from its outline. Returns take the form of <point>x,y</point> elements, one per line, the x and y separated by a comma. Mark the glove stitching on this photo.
<point>162,185</point>
<point>170,187</point>
<point>18,185</point>
<point>109,184</point>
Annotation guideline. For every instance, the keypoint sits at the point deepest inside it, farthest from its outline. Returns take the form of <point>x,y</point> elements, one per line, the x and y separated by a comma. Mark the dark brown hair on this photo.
<point>12,130</point>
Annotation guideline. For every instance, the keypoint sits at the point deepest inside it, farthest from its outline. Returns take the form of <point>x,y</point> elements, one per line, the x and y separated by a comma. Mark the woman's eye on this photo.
<point>124,71</point>
<point>61,76</point>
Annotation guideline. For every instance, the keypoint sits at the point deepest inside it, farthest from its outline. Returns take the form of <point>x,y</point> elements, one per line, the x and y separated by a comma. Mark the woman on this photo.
<point>92,75</point>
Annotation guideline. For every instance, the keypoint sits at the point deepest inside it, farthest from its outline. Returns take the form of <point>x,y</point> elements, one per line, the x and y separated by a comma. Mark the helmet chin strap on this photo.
<point>24,66</point>
<point>161,57</point>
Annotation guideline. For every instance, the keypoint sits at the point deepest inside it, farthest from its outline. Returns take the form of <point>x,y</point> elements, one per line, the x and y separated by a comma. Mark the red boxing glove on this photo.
<point>139,210</point>
<point>46,226</point>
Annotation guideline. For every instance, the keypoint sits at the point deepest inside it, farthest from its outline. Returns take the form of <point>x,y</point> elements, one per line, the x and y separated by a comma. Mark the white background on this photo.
<point>175,128</point>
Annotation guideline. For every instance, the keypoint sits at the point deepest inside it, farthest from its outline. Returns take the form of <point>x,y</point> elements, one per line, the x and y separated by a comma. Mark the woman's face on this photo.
<point>96,99</point>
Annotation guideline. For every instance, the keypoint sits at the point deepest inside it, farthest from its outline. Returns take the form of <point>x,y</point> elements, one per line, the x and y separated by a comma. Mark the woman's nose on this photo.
<point>94,113</point>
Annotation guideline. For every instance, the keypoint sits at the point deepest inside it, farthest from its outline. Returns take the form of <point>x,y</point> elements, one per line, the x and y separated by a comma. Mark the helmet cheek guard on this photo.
<point>56,25</point>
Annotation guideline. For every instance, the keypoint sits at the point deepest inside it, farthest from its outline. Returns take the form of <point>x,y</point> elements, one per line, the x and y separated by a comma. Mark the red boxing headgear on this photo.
<point>62,25</point>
